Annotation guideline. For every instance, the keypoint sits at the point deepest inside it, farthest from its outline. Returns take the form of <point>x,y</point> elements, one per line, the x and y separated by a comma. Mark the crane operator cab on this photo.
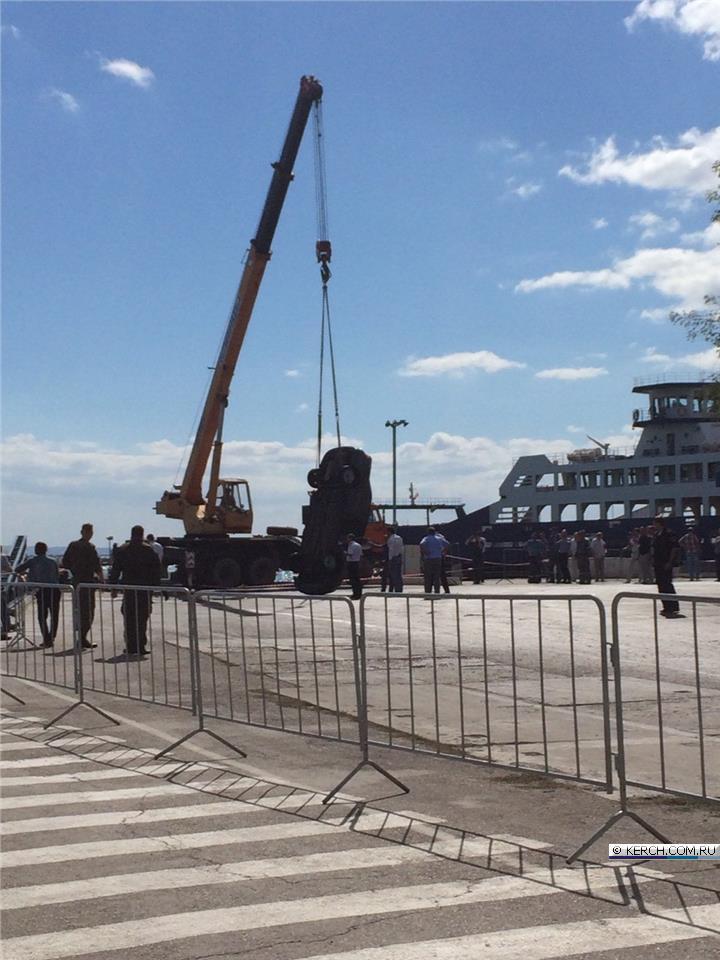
<point>233,506</point>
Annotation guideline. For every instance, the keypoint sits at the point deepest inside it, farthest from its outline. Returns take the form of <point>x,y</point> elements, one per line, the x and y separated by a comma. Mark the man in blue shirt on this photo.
<point>43,569</point>
<point>432,549</point>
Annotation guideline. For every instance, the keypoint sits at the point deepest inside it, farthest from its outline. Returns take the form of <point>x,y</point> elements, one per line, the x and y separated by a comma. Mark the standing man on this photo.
<point>82,560</point>
<point>395,561</point>
<point>157,547</point>
<point>581,550</point>
<point>691,546</point>
<point>477,544</point>
<point>136,563</point>
<point>665,553</point>
<point>598,548</point>
<point>563,548</point>
<point>535,551</point>
<point>645,555</point>
<point>353,556</point>
<point>43,569</point>
<point>433,547</point>
<point>716,551</point>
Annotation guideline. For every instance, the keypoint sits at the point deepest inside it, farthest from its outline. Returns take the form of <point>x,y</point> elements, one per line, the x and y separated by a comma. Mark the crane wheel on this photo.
<point>227,573</point>
<point>314,478</point>
<point>262,570</point>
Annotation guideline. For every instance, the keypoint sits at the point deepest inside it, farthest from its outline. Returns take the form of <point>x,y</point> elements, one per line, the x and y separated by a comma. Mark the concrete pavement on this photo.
<point>203,854</point>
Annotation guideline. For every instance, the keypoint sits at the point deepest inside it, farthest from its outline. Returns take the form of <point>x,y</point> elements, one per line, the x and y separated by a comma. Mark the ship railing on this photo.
<point>568,457</point>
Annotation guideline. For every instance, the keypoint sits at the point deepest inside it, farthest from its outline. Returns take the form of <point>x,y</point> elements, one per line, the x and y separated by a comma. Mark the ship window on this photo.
<point>568,513</point>
<point>690,471</point>
<point>714,470</point>
<point>614,478</point>
<point>615,511</point>
<point>524,480</point>
<point>589,478</point>
<point>544,513</point>
<point>545,482</point>
<point>568,481</point>
<point>664,473</point>
<point>697,404</point>
<point>638,476</point>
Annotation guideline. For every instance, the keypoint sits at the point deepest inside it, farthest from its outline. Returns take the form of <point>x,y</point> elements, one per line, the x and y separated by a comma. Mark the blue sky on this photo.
<point>516,200</point>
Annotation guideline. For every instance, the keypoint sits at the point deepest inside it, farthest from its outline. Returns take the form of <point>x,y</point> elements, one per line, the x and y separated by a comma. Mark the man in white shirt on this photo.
<point>353,556</point>
<point>395,559</point>
<point>598,549</point>
<point>157,547</point>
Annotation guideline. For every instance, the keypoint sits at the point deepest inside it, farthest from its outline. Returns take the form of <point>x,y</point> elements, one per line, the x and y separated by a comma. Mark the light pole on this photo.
<point>109,540</point>
<point>394,424</point>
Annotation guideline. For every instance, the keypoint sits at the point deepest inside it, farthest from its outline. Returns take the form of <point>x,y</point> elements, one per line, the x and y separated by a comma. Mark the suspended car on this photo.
<point>339,505</point>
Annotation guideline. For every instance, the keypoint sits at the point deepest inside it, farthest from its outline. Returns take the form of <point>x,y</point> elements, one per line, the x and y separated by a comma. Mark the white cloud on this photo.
<point>292,373</point>
<point>302,407</point>
<point>709,237</point>
<point>571,373</point>
<point>12,30</point>
<point>599,223</point>
<point>573,429</point>
<point>66,100</point>
<point>686,167</point>
<point>652,225</point>
<point>496,144</point>
<point>706,360</point>
<point>656,314</point>
<point>685,276</point>
<point>457,364</point>
<point>699,18</point>
<point>651,355</point>
<point>128,70</point>
<point>609,279</point>
<point>525,190</point>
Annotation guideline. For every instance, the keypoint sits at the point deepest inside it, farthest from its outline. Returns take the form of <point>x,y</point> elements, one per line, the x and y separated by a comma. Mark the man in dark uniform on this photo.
<point>665,554</point>
<point>136,563</point>
<point>477,544</point>
<point>82,560</point>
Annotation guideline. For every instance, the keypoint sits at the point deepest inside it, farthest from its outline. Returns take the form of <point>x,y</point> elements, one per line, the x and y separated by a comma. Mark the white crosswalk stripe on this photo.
<point>131,817</point>
<point>144,879</point>
<point>40,762</point>
<point>80,776</point>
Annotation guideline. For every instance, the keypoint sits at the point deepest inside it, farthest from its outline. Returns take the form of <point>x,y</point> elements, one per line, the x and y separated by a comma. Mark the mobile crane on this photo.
<point>217,559</point>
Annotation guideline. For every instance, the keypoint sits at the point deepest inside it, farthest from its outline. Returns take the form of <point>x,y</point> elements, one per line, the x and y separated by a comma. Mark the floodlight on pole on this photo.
<point>394,424</point>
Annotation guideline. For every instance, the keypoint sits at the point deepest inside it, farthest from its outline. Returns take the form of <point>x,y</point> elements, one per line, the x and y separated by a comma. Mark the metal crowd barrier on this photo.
<point>667,713</point>
<point>36,613</point>
<point>281,662</point>
<point>518,682</point>
<point>121,620</point>
<point>513,682</point>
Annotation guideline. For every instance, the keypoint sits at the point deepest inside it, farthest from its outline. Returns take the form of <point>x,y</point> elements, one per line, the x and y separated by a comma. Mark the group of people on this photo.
<point>551,558</point>
<point>391,574</point>
<point>138,562</point>
<point>652,554</point>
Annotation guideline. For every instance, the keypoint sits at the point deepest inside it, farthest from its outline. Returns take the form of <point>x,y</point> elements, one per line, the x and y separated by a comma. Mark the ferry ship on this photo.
<point>673,471</point>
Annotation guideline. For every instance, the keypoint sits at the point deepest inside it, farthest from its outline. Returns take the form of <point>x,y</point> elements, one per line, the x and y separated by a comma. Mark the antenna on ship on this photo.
<point>603,446</point>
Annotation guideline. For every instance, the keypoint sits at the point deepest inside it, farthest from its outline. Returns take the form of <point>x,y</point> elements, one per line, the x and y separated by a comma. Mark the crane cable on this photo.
<point>323,251</point>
